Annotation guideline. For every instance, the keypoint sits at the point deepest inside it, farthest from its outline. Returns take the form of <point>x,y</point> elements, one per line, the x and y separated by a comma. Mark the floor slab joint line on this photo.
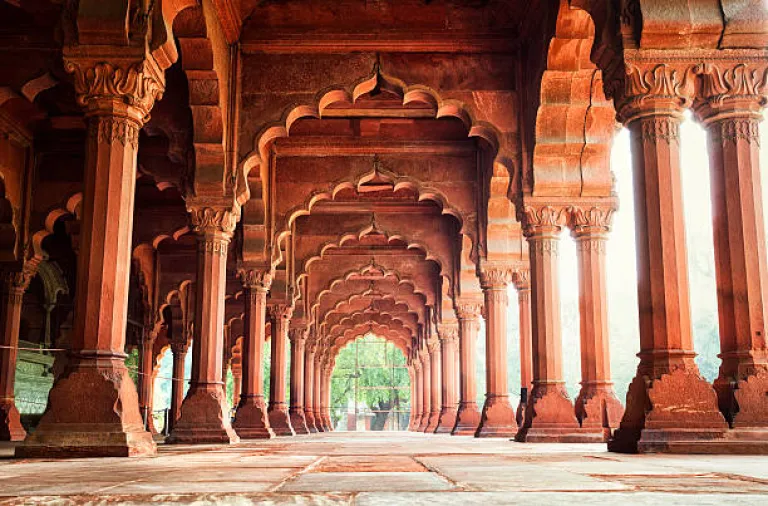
<point>460,486</point>
<point>294,476</point>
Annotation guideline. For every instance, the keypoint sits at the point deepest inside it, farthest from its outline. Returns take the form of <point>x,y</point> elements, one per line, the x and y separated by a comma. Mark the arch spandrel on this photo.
<point>354,293</point>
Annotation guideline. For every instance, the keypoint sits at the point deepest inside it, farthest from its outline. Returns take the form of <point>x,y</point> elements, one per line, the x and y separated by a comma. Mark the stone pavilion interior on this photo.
<point>250,187</point>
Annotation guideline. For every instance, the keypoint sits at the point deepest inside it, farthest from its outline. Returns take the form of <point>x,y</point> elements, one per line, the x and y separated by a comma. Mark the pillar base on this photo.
<point>598,409</point>
<point>434,418</point>
<point>280,421</point>
<point>81,419</point>
<point>204,418</point>
<point>298,421</point>
<point>423,423</point>
<point>520,413</point>
<point>10,422</point>
<point>497,419</point>
<point>251,420</point>
<point>447,420</point>
<point>549,417</point>
<point>467,419</point>
<point>327,425</point>
<point>319,423</point>
<point>744,402</point>
<point>310,418</point>
<point>676,412</point>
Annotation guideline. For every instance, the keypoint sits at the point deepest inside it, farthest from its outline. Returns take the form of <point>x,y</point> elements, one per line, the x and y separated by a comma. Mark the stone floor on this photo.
<point>388,468</point>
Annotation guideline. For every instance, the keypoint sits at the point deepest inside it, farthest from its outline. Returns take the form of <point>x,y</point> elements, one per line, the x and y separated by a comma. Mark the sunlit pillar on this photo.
<point>732,116</point>
<point>468,416</point>
<point>278,408</point>
<point>298,337</point>
<point>498,416</point>
<point>449,336</point>
<point>669,405</point>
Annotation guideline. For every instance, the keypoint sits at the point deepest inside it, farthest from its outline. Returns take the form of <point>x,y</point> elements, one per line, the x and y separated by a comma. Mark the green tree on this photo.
<point>371,373</point>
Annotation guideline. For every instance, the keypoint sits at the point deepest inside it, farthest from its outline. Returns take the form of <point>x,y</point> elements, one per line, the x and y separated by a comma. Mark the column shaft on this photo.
<point>296,411</point>
<point>426,390</point>
<point>278,408</point>
<point>498,417</point>
<point>523,285</point>
<point>670,407</point>
<point>468,415</point>
<point>13,296</point>
<point>205,416</point>
<point>435,387</point>
<point>179,351</point>
<point>309,387</point>
<point>319,423</point>
<point>448,337</point>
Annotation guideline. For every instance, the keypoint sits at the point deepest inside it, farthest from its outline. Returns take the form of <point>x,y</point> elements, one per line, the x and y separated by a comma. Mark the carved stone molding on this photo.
<point>725,88</point>
<point>17,282</point>
<point>98,84</point>
<point>179,347</point>
<point>209,220</point>
<point>122,130</point>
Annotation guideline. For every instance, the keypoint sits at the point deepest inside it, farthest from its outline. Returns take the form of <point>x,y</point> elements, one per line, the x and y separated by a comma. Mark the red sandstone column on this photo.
<point>278,408</point>
<point>468,416</point>
<point>426,390</point>
<point>549,414</point>
<point>670,407</point>
<point>317,395</point>
<point>117,94</point>
<point>418,394</point>
<point>251,420</point>
<point>732,117</point>
<point>327,399</point>
<point>298,338</point>
<point>597,407</point>
<point>522,281</point>
<point>498,417</point>
<point>449,334</point>
<point>179,350</point>
<point>435,389</point>
<point>237,385</point>
<point>309,386</point>
<point>321,401</point>
<point>205,416</point>
<point>146,375</point>
<point>14,286</point>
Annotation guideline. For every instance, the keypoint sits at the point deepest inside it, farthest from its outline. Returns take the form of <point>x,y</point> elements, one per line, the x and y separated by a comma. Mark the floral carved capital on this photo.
<point>297,335</point>
<point>738,86</point>
<point>255,279</point>
<point>592,220</point>
<point>543,219</point>
<point>654,86</point>
<point>522,279</point>
<point>495,277</point>
<point>281,311</point>
<point>210,219</point>
<point>469,310</point>
<point>99,83</point>
<point>448,331</point>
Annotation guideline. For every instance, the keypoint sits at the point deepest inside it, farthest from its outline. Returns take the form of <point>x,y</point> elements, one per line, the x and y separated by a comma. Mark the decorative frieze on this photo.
<point>255,279</point>
<point>210,219</point>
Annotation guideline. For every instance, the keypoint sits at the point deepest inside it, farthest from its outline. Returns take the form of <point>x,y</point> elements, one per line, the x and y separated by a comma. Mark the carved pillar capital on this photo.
<point>213,219</point>
<point>255,279</point>
<point>495,276</point>
<point>280,311</point>
<point>179,347</point>
<point>522,279</point>
<point>653,88</point>
<point>729,89</point>
<point>297,335</point>
<point>590,222</point>
<point>122,87</point>
<point>17,282</point>
<point>448,331</point>
<point>467,309</point>
<point>543,220</point>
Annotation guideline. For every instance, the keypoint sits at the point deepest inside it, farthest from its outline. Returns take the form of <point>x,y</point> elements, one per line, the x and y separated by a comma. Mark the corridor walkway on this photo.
<point>388,468</point>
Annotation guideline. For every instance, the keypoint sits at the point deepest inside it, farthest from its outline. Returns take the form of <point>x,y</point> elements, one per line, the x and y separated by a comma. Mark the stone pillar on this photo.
<point>146,376</point>
<point>298,338</point>
<point>14,286</point>
<point>522,281</point>
<point>117,92</point>
<point>317,380</point>
<point>278,408</point>
<point>179,350</point>
<point>597,407</point>
<point>205,416</point>
<point>468,416</point>
<point>237,386</point>
<point>670,407</point>
<point>251,420</point>
<point>435,389</point>
<point>328,403</point>
<point>549,414</point>
<point>731,115</point>
<point>415,394</point>
<point>449,336</point>
<point>498,417</point>
<point>309,387</point>
<point>426,390</point>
